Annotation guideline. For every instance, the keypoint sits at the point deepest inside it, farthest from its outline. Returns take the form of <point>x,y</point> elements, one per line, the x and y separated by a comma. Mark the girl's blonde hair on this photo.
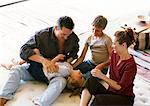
<point>100,22</point>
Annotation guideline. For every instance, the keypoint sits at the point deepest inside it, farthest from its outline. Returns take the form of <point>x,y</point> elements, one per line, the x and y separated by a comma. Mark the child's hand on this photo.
<point>58,58</point>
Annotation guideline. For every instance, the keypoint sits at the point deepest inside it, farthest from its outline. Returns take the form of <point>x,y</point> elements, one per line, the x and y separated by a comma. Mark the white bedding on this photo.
<point>27,90</point>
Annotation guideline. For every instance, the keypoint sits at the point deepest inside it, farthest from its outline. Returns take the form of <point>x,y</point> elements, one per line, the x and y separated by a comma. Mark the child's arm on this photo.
<point>81,58</point>
<point>58,58</point>
<point>102,65</point>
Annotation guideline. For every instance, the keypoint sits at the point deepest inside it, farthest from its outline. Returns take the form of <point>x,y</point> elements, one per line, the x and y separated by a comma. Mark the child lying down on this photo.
<point>75,78</point>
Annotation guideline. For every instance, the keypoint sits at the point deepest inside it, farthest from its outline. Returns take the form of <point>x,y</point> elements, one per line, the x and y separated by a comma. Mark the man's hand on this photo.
<point>50,66</point>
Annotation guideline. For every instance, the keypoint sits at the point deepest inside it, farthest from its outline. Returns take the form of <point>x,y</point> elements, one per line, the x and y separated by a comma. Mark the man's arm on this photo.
<point>27,53</point>
<point>73,49</point>
<point>47,64</point>
<point>27,49</point>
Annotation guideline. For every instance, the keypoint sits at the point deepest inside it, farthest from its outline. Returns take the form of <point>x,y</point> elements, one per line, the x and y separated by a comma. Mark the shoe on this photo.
<point>3,101</point>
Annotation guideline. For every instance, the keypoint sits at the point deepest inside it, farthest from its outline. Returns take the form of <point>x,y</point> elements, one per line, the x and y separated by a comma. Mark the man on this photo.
<point>51,42</point>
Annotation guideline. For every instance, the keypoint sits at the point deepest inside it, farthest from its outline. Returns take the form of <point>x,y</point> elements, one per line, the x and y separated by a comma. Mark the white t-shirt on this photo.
<point>63,71</point>
<point>99,48</point>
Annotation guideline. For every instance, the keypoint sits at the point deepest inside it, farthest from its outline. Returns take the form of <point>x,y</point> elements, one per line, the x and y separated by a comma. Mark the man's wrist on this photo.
<point>42,60</point>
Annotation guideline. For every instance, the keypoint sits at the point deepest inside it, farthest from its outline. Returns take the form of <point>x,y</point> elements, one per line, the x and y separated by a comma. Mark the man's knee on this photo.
<point>15,73</point>
<point>60,82</point>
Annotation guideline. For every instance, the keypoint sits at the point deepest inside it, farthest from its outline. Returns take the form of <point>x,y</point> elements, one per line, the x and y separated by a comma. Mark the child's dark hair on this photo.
<point>125,36</point>
<point>100,22</point>
<point>66,22</point>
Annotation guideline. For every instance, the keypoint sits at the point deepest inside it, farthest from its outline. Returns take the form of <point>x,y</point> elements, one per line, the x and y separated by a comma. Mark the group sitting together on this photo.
<point>50,56</point>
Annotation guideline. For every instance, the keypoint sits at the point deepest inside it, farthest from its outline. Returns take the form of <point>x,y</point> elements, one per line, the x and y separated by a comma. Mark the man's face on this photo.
<point>63,33</point>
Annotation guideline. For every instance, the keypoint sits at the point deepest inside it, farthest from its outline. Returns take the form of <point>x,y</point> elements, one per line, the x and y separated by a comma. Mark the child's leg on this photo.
<point>14,63</point>
<point>7,66</point>
<point>85,98</point>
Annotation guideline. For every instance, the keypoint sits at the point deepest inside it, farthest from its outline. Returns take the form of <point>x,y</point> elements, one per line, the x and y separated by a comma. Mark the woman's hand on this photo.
<point>97,73</point>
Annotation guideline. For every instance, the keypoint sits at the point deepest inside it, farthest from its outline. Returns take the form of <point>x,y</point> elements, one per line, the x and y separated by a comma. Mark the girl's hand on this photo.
<point>58,58</point>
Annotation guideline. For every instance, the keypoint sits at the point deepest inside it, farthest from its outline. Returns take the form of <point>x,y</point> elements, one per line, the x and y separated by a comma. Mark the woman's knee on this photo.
<point>98,100</point>
<point>92,81</point>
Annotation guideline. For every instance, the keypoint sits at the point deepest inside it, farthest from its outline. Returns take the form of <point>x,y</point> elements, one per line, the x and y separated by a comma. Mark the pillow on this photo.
<point>142,41</point>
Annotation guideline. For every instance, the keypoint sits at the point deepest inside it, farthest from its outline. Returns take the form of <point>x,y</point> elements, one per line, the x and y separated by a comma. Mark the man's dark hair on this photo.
<point>66,22</point>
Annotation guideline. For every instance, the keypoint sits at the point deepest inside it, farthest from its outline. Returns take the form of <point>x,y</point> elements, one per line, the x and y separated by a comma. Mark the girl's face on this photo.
<point>97,31</point>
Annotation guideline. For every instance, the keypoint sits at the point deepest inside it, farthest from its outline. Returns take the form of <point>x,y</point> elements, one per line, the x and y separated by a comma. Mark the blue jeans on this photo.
<point>86,67</point>
<point>55,87</point>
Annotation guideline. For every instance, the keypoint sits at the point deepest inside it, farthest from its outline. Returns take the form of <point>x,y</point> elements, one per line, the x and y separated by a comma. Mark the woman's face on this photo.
<point>116,45</point>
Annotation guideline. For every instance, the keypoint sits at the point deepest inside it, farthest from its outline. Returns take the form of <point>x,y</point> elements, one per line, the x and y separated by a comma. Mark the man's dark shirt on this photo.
<point>46,41</point>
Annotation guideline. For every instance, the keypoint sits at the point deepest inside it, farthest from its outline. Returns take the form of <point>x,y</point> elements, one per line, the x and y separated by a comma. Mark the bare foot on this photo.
<point>7,66</point>
<point>3,101</point>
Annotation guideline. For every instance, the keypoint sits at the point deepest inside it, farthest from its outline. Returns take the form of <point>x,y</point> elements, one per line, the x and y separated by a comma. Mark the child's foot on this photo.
<point>3,101</point>
<point>7,66</point>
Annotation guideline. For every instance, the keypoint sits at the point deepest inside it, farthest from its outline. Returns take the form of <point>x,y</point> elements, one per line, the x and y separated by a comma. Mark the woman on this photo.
<point>122,74</point>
